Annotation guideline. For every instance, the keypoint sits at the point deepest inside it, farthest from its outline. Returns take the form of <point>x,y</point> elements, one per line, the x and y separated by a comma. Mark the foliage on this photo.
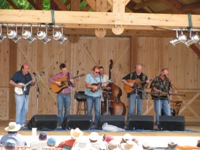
<point>24,4</point>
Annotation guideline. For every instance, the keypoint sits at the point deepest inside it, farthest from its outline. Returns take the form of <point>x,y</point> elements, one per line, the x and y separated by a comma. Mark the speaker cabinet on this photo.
<point>140,122</point>
<point>43,122</point>
<point>82,122</point>
<point>116,120</point>
<point>172,123</point>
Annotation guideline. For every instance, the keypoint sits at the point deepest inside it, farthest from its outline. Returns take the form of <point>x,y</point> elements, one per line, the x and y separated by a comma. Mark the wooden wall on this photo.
<point>154,53</point>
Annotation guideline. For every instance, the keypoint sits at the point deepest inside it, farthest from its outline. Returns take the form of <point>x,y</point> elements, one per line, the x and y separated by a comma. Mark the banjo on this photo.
<point>20,91</point>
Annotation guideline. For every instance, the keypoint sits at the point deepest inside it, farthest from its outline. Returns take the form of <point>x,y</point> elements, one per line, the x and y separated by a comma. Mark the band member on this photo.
<point>161,87</point>
<point>135,97</point>
<point>64,95</point>
<point>105,95</point>
<point>93,92</point>
<point>22,100</point>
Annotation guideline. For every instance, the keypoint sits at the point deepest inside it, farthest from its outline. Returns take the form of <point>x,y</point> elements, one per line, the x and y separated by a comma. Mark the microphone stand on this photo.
<point>37,94</point>
<point>136,94</point>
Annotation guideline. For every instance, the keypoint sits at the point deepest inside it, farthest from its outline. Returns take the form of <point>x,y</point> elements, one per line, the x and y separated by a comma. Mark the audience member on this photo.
<point>75,134</point>
<point>51,142</point>
<point>10,144</point>
<point>113,145</point>
<point>12,130</point>
<point>94,140</point>
<point>41,142</point>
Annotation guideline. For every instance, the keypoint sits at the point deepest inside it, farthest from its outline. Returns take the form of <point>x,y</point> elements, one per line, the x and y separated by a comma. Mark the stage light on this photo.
<point>58,36</point>
<point>2,37</point>
<point>179,38</point>
<point>13,35</point>
<point>193,39</point>
<point>27,35</point>
<point>43,36</point>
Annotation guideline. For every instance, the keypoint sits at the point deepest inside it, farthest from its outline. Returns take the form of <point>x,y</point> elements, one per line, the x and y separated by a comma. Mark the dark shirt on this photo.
<point>18,77</point>
<point>133,76</point>
<point>163,85</point>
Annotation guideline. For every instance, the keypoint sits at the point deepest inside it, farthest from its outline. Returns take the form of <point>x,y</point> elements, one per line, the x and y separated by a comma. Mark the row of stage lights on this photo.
<point>42,33</point>
<point>182,38</point>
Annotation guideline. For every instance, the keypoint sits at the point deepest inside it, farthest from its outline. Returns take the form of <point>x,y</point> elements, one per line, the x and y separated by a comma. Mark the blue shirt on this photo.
<point>93,80</point>
<point>18,77</point>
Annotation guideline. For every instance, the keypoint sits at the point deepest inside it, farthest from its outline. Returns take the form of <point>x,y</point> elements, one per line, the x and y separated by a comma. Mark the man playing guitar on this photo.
<point>138,80</point>
<point>64,95</point>
<point>93,91</point>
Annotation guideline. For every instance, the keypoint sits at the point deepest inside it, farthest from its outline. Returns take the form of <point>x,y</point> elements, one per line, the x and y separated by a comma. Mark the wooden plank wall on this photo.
<point>154,53</point>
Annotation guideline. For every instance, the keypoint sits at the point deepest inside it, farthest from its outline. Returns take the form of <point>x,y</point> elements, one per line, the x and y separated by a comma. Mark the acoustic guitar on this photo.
<point>64,83</point>
<point>136,82</point>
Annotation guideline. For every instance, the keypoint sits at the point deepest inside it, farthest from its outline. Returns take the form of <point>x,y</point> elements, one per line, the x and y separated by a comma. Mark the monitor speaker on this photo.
<point>116,120</point>
<point>83,122</point>
<point>43,122</point>
<point>140,122</point>
<point>172,123</point>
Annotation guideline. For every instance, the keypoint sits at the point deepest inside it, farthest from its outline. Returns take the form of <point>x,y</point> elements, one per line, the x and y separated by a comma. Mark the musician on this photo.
<point>135,97</point>
<point>22,76</point>
<point>64,96</point>
<point>93,91</point>
<point>160,88</point>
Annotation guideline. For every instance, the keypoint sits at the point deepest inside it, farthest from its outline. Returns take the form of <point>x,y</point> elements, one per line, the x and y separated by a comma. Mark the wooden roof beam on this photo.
<point>145,4</point>
<point>174,5</point>
<point>100,19</point>
<point>60,5</point>
<point>195,49</point>
<point>12,4</point>
<point>190,7</point>
<point>92,3</point>
<point>131,5</point>
<point>35,5</point>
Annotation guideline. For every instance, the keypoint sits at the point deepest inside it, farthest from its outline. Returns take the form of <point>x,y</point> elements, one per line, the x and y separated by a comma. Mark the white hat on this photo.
<point>82,143</point>
<point>113,145</point>
<point>13,127</point>
<point>76,133</point>
<point>127,137</point>
<point>93,137</point>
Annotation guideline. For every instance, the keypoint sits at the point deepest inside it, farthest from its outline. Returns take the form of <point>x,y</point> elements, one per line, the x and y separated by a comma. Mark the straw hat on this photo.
<point>113,145</point>
<point>129,145</point>
<point>126,137</point>
<point>13,127</point>
<point>76,133</point>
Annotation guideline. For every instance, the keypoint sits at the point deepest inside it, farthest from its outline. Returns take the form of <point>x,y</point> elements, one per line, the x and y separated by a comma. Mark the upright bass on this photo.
<point>116,106</point>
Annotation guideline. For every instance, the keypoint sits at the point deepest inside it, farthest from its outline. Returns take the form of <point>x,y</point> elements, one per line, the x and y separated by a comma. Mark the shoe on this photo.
<point>94,127</point>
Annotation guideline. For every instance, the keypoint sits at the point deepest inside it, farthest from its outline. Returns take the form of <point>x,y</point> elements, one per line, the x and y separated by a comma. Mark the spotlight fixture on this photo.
<point>13,35</point>
<point>193,39</point>
<point>43,36</point>
<point>2,37</point>
<point>179,38</point>
<point>58,36</point>
<point>27,35</point>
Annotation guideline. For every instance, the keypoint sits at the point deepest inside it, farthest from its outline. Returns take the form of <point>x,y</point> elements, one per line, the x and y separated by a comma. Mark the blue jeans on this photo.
<point>21,108</point>
<point>96,102</point>
<point>159,105</point>
<point>63,101</point>
<point>133,99</point>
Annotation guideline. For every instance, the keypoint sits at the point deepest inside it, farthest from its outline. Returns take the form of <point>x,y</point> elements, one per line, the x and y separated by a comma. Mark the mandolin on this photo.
<point>64,83</point>
<point>92,88</point>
